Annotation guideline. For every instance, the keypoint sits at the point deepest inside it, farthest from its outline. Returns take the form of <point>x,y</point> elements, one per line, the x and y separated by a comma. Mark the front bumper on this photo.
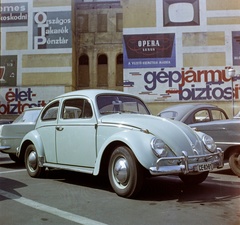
<point>183,166</point>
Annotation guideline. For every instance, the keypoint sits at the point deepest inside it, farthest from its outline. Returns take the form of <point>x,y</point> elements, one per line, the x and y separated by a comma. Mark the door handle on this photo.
<point>59,128</point>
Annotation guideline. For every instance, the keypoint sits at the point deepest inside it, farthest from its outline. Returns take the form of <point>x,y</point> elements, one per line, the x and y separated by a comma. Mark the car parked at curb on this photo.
<point>213,121</point>
<point>115,134</point>
<point>190,113</point>
<point>11,134</point>
<point>5,121</point>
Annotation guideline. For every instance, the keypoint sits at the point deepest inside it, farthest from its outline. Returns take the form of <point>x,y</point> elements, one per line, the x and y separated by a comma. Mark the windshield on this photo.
<point>237,115</point>
<point>168,114</point>
<point>108,104</point>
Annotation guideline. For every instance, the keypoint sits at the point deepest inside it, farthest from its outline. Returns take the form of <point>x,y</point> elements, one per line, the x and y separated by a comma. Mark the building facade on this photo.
<point>52,47</point>
<point>181,51</point>
<point>165,51</point>
<point>98,51</point>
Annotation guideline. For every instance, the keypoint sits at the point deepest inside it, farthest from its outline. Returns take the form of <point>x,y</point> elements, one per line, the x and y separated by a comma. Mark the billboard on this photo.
<point>52,30</point>
<point>236,47</point>
<point>8,70</point>
<point>14,14</point>
<point>184,84</point>
<point>180,55</point>
<point>14,100</point>
<point>149,50</point>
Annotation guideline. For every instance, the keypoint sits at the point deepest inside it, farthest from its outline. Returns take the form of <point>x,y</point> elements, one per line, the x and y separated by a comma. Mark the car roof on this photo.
<point>185,108</point>
<point>92,93</point>
<point>189,106</point>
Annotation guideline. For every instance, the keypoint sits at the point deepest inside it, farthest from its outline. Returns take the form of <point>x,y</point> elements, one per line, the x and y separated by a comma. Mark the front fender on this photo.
<point>32,137</point>
<point>138,141</point>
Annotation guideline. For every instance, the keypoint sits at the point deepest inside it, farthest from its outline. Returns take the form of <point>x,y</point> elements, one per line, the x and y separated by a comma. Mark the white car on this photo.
<point>113,133</point>
<point>11,134</point>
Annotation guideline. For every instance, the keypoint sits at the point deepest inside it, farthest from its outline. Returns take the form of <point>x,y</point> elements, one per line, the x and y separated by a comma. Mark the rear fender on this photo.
<point>32,137</point>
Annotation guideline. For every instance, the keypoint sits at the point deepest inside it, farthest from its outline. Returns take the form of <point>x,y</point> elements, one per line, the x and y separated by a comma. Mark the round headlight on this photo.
<point>209,143</point>
<point>159,148</point>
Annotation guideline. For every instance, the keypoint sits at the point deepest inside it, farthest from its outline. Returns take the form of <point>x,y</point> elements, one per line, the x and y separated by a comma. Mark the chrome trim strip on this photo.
<point>227,143</point>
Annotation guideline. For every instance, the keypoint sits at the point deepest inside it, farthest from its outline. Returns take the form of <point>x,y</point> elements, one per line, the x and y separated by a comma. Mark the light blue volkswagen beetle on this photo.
<point>103,131</point>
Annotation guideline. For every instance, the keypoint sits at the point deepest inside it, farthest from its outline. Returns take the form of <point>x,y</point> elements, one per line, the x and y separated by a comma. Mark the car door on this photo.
<point>46,127</point>
<point>76,133</point>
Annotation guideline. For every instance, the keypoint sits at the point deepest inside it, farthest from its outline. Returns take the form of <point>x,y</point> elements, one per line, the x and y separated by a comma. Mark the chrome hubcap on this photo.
<point>121,171</point>
<point>237,158</point>
<point>32,160</point>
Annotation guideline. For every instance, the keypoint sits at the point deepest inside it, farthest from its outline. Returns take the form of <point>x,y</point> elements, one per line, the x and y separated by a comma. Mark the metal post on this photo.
<point>231,73</point>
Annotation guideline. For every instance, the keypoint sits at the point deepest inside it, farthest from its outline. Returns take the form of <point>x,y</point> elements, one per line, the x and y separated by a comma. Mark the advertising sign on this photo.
<point>13,100</point>
<point>149,50</point>
<point>52,30</point>
<point>14,14</point>
<point>181,57</point>
<point>236,47</point>
<point>8,70</point>
<point>182,84</point>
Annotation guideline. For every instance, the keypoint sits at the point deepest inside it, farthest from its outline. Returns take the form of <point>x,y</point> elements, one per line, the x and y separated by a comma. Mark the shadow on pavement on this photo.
<point>9,186</point>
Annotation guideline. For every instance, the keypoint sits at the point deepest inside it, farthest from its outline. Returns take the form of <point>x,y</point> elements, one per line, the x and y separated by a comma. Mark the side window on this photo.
<point>87,110</point>
<point>72,108</point>
<point>201,116</point>
<point>50,113</point>
<point>218,115</point>
<point>76,108</point>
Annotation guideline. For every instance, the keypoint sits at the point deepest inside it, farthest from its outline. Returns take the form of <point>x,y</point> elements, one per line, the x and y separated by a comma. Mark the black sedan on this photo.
<point>190,113</point>
<point>213,121</point>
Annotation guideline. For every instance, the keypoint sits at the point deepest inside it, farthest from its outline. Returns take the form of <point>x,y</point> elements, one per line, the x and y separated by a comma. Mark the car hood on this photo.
<point>224,131</point>
<point>177,135</point>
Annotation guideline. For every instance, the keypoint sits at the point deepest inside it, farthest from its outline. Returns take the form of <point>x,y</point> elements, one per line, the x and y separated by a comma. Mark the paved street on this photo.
<point>64,197</point>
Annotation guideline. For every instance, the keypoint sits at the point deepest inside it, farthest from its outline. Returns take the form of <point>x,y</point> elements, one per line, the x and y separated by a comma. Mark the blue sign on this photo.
<point>149,51</point>
<point>236,47</point>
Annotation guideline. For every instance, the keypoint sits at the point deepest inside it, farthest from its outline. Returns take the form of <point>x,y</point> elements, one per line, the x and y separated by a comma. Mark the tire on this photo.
<point>234,162</point>
<point>194,179</point>
<point>31,162</point>
<point>125,173</point>
<point>14,158</point>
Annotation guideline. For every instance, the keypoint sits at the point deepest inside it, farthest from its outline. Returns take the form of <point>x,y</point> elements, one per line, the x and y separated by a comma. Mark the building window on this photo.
<point>119,70</point>
<point>102,71</point>
<point>82,20</point>
<point>119,22</point>
<point>83,71</point>
<point>102,22</point>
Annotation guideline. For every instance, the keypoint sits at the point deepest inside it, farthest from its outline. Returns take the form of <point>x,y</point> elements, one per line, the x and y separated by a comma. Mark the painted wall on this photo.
<point>36,53</point>
<point>174,51</point>
<point>180,51</point>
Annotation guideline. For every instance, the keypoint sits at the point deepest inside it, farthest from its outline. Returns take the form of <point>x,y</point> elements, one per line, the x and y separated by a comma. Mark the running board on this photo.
<point>72,168</point>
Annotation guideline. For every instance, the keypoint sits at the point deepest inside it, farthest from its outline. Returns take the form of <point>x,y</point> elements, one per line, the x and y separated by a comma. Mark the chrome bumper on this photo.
<point>183,166</point>
<point>3,148</point>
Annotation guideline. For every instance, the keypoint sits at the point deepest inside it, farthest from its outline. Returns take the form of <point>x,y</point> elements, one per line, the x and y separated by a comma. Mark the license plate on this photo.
<point>204,167</point>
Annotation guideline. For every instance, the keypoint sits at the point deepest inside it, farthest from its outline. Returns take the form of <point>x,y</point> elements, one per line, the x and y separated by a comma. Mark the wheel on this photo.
<point>194,179</point>
<point>14,158</point>
<point>234,162</point>
<point>31,162</point>
<point>125,173</point>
